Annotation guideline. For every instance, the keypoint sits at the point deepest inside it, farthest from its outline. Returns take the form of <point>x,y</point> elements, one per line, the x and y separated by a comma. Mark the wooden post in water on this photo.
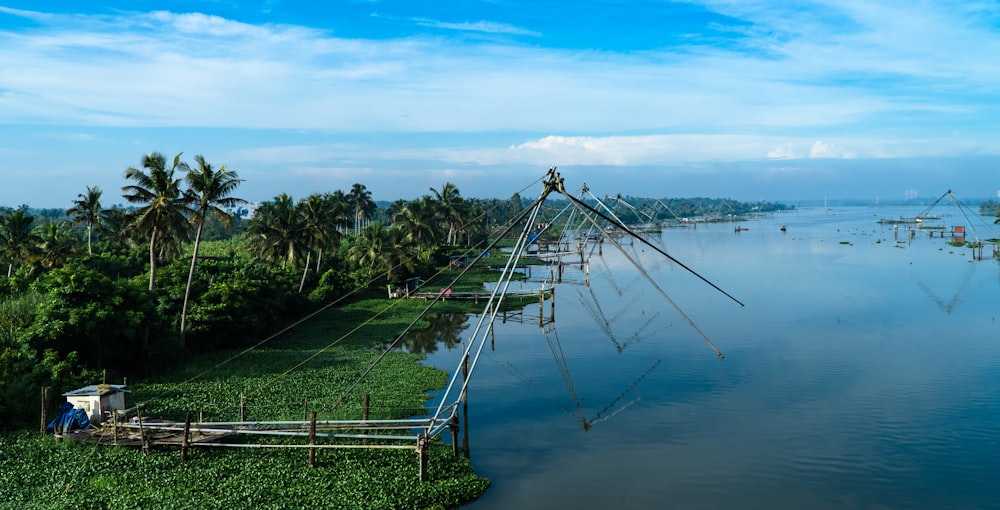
<point>187,434</point>
<point>453,425</point>
<point>312,440</point>
<point>552,301</point>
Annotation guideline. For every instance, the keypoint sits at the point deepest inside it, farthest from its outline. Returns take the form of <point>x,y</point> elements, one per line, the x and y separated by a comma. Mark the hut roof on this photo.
<point>96,390</point>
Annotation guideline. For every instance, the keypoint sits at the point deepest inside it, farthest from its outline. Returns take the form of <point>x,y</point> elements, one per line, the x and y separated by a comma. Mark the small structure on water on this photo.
<point>98,400</point>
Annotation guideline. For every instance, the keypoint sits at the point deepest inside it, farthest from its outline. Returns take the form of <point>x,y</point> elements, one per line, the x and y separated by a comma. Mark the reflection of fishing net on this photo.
<point>575,408</point>
<point>604,322</point>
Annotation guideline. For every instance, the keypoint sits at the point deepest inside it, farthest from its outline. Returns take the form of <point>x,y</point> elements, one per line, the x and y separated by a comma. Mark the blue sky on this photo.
<point>748,99</point>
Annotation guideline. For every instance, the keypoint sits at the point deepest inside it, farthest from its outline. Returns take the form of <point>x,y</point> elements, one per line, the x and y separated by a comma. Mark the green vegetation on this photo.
<point>39,473</point>
<point>308,368</point>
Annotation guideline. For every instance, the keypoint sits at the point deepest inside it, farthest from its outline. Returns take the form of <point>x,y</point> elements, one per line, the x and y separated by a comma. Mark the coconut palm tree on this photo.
<point>209,190</point>
<point>415,220</point>
<point>56,244</point>
<point>17,239</point>
<point>115,223</point>
<point>379,248</point>
<point>87,211</point>
<point>165,209</point>
<point>277,232</point>
<point>360,202</point>
<point>450,209</point>
<point>320,215</point>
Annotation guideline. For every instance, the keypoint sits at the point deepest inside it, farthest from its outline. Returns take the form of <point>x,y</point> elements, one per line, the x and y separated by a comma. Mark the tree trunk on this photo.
<point>305,270</point>
<point>187,289</point>
<point>90,237</point>
<point>152,260</point>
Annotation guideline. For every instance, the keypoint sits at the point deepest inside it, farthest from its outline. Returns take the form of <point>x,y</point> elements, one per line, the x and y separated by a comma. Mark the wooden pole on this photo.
<point>541,307</point>
<point>184,440</point>
<point>312,440</point>
<point>453,426</point>
<point>142,433</point>
<point>422,457</point>
<point>45,408</point>
<point>243,408</point>
<point>552,301</point>
<point>365,406</point>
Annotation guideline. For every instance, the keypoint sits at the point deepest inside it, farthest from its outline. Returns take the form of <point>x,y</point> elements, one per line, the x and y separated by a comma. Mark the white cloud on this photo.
<point>782,153</point>
<point>488,27</point>
<point>821,149</point>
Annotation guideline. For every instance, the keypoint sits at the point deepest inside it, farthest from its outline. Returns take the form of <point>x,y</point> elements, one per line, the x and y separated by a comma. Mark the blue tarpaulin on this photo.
<point>69,418</point>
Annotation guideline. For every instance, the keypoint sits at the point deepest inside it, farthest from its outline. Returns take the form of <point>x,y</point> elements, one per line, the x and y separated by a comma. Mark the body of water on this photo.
<point>863,372</point>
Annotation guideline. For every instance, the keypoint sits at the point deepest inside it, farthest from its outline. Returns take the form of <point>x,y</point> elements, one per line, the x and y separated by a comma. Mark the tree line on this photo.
<point>125,290</point>
<point>128,289</point>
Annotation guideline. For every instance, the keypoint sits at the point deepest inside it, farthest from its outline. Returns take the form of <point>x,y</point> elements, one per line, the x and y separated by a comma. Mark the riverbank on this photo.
<point>307,369</point>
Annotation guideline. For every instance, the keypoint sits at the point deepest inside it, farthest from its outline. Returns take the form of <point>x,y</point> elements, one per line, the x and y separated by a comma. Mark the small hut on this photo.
<point>98,400</point>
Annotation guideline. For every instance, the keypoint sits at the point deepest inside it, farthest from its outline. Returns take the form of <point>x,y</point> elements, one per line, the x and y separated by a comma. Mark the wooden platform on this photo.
<point>130,435</point>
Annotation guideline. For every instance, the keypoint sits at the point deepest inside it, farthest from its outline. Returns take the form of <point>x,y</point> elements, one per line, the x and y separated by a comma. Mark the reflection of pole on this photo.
<point>541,307</point>
<point>465,428</point>
<point>453,426</point>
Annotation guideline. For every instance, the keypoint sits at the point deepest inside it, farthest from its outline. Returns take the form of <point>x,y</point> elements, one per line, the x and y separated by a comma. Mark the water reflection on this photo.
<point>444,330</point>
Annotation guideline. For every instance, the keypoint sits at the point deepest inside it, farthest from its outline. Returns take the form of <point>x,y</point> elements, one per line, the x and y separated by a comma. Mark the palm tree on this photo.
<point>87,211</point>
<point>450,209</point>
<point>209,191</point>
<point>336,205</point>
<point>56,244</point>
<point>165,209</point>
<point>415,220</point>
<point>277,232</point>
<point>378,248</point>
<point>115,223</point>
<point>17,239</point>
<point>319,217</point>
<point>360,202</point>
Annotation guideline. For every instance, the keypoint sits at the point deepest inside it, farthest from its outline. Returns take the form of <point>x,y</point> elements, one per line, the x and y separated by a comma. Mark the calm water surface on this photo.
<point>863,372</point>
